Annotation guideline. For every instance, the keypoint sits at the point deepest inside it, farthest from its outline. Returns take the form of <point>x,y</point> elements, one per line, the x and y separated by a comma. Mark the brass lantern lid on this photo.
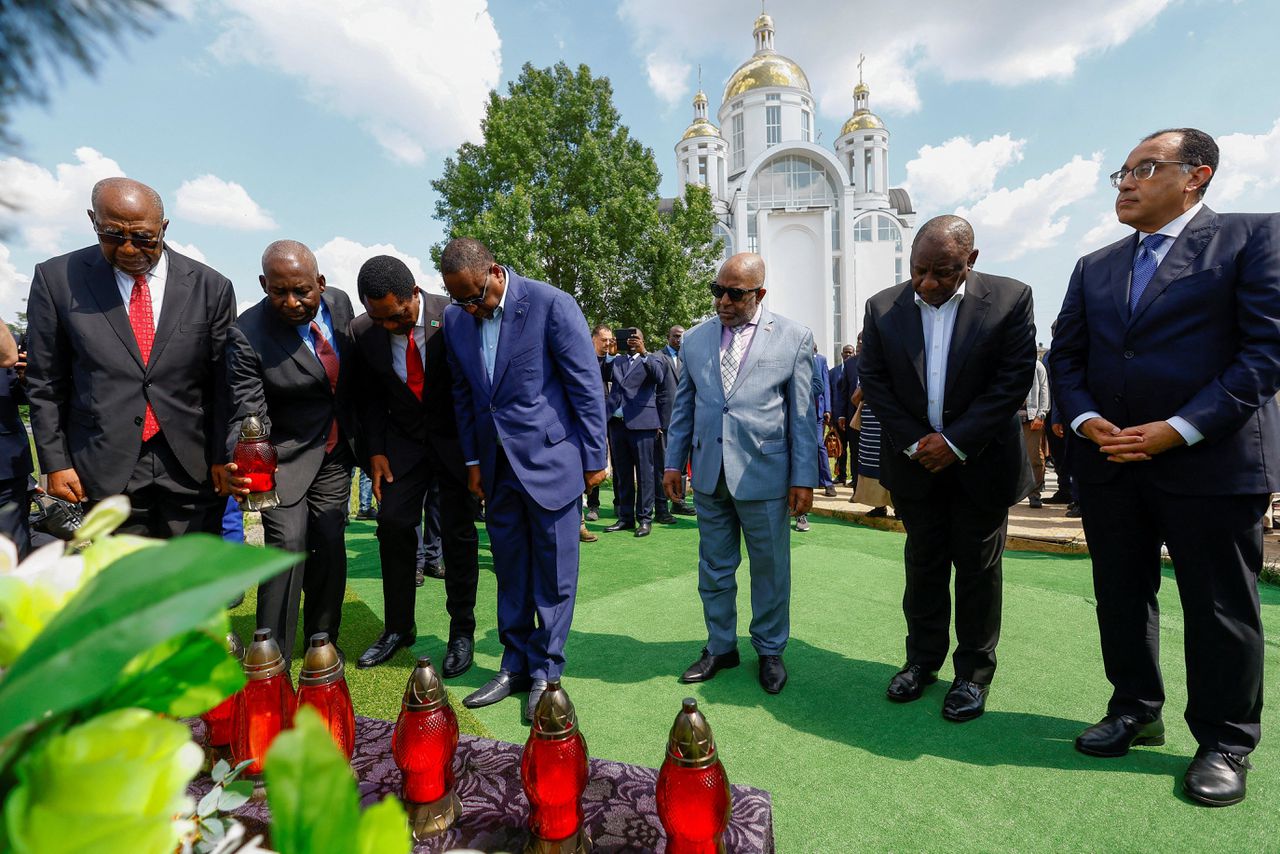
<point>322,664</point>
<point>554,717</point>
<point>263,659</point>
<point>424,692</point>
<point>691,744</point>
<point>253,428</point>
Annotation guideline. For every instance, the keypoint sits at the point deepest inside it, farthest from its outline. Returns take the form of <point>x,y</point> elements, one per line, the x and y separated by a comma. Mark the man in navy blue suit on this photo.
<point>15,450</point>
<point>531,422</point>
<point>1167,359</point>
<point>635,379</point>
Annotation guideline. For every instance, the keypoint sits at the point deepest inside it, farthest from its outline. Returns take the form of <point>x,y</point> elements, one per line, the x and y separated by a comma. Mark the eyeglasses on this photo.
<point>463,303</point>
<point>1142,171</point>
<point>735,294</point>
<point>139,241</point>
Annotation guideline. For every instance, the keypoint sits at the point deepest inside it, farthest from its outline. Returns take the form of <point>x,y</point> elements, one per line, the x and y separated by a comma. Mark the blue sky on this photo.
<point>326,121</point>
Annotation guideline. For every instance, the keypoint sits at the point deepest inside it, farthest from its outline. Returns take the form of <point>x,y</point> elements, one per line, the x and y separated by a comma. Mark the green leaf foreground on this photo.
<point>315,807</point>
<point>141,600</point>
<point>182,677</point>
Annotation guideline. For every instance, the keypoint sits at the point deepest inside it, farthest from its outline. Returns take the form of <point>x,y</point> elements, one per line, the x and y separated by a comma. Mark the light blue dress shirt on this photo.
<point>326,329</point>
<point>491,330</point>
<point>938,324</point>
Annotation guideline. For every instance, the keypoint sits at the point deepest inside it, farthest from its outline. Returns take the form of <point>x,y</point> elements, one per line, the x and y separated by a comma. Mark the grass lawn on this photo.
<point>850,771</point>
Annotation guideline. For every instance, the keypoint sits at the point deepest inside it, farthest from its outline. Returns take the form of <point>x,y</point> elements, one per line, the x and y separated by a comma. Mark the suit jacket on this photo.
<point>15,450</point>
<point>393,422</point>
<point>273,374</point>
<point>86,381</point>
<point>634,387</point>
<point>762,433</point>
<point>843,387</point>
<point>544,402</point>
<point>821,385</point>
<point>1203,343</point>
<point>666,396</point>
<point>989,369</point>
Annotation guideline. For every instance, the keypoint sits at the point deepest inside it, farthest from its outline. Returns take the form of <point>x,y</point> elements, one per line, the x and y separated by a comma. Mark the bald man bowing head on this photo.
<point>125,342</point>
<point>289,360</point>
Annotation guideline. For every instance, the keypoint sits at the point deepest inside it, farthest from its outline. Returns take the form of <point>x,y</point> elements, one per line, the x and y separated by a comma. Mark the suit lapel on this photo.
<point>910,332</point>
<point>971,313</point>
<point>290,341</point>
<point>512,325</point>
<point>1119,274</point>
<point>105,291</point>
<point>177,292</point>
<point>463,336</point>
<point>1190,243</point>
<point>759,343</point>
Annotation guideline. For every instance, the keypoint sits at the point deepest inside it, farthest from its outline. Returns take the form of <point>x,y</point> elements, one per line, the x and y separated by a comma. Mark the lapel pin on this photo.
<point>435,323</point>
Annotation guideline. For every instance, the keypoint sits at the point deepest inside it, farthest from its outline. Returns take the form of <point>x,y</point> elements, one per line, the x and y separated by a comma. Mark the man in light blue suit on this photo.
<point>526,391</point>
<point>744,409</point>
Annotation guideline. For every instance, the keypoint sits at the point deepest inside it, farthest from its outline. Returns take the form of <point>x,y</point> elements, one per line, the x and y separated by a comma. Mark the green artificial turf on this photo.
<point>848,770</point>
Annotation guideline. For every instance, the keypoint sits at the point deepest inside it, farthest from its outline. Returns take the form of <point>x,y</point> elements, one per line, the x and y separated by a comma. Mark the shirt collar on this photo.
<point>1174,227</point>
<point>159,272</point>
<point>955,298</point>
<point>506,289</point>
<point>754,321</point>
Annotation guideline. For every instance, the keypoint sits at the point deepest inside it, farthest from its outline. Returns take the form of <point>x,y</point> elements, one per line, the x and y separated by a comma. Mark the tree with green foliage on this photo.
<point>561,191</point>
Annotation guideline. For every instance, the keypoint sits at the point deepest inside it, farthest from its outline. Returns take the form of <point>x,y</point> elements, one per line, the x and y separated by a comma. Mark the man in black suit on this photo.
<point>125,342</point>
<point>946,362</point>
<point>1166,363</point>
<point>15,450</point>
<point>289,361</point>
<point>665,399</point>
<point>410,434</point>
<point>842,413</point>
<point>634,378</point>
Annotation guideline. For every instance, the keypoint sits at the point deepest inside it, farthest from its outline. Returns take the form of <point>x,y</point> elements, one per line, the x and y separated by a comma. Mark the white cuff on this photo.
<point>1189,433</point>
<point>959,453</point>
<point>472,462</point>
<point>1080,419</point>
<point>912,449</point>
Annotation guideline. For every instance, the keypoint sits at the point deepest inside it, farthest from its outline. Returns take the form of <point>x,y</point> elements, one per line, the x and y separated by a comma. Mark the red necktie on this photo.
<point>329,359</point>
<point>144,331</point>
<point>414,376</point>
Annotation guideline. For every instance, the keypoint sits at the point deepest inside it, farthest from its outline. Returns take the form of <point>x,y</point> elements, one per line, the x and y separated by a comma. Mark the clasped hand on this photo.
<point>1132,444</point>
<point>934,453</point>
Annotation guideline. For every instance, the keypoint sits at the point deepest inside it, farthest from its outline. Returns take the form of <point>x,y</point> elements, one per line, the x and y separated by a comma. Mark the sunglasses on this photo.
<point>139,241</point>
<point>463,303</point>
<point>735,294</point>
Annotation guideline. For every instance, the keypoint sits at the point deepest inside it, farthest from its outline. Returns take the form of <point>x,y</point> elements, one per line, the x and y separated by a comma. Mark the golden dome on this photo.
<point>700,127</point>
<point>763,70</point>
<point>764,21</point>
<point>862,120</point>
<point>861,90</point>
<point>700,99</point>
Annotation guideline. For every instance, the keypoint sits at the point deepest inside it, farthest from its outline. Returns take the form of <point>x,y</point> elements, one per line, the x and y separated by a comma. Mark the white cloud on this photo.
<point>49,204</point>
<point>1005,42</point>
<point>190,250</point>
<point>209,200</point>
<point>1106,230</point>
<point>1249,164</point>
<point>668,77</point>
<point>1009,223</point>
<point>415,75</point>
<point>942,176</point>
<point>14,287</point>
<point>340,259</point>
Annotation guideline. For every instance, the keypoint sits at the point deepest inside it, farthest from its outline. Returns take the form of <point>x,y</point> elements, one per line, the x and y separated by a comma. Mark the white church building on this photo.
<point>830,229</point>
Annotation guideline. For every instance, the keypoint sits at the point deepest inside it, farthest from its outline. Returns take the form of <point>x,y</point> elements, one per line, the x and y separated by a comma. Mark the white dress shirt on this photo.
<point>491,329</point>
<point>155,284</point>
<point>939,324</point>
<point>400,344</point>
<point>1172,229</point>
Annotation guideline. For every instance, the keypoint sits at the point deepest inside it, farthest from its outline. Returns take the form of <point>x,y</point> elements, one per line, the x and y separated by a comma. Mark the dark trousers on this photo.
<point>535,557</point>
<point>944,529</point>
<point>430,545</point>
<point>1216,546</point>
<point>15,512</point>
<point>593,498</point>
<point>315,527</point>
<point>168,502</point>
<point>824,461</point>
<point>633,464</point>
<point>399,514</point>
<point>661,506</point>
<point>845,471</point>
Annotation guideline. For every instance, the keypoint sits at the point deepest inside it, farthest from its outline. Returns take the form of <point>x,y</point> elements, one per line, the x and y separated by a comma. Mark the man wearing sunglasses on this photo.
<point>124,370</point>
<point>744,412</point>
<point>1165,364</point>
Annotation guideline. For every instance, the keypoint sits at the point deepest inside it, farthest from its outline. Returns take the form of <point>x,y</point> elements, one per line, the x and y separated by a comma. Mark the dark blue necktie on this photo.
<point>1144,268</point>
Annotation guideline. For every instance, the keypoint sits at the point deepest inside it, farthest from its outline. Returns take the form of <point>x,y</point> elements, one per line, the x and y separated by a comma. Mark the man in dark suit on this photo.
<point>842,414</point>
<point>408,429</point>
<point>1167,359</point>
<point>15,450</point>
<point>602,340</point>
<point>946,362</point>
<point>635,379</point>
<point>125,344</point>
<point>531,420</point>
<point>665,398</point>
<point>289,361</point>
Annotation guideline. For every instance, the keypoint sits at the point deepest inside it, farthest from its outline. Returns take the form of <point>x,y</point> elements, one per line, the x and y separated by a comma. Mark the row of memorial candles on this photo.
<point>692,789</point>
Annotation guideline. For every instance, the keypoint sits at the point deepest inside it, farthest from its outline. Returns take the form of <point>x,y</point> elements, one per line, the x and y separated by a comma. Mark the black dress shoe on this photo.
<point>683,508</point>
<point>418,578</point>
<point>1059,497</point>
<point>1215,778</point>
<point>498,688</point>
<point>457,657</point>
<point>1034,503</point>
<point>385,647</point>
<point>965,701</point>
<point>665,519</point>
<point>535,694</point>
<point>643,529</point>
<point>620,526</point>
<point>909,683</point>
<point>434,570</point>
<point>773,675</point>
<point>878,513</point>
<point>1115,734</point>
<point>709,665</point>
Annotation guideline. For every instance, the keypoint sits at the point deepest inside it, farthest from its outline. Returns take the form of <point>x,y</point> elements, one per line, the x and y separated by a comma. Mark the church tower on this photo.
<point>701,152</point>
<point>863,148</point>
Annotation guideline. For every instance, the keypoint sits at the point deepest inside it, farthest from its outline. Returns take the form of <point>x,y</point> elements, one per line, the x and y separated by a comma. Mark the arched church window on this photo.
<point>862,232</point>
<point>791,181</point>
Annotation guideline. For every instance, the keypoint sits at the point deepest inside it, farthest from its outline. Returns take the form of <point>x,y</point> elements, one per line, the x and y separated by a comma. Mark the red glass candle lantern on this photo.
<point>423,744</point>
<point>255,458</point>
<point>693,790</point>
<point>265,705</point>
<point>554,772</point>
<point>322,685</point>
<point>220,720</point>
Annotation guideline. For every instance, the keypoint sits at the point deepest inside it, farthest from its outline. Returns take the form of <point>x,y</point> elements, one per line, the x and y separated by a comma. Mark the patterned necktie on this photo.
<point>414,375</point>
<point>732,357</point>
<point>1144,268</point>
<point>329,359</point>
<point>144,331</point>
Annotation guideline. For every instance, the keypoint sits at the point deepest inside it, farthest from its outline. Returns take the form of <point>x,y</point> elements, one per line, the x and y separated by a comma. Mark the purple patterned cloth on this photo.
<point>621,812</point>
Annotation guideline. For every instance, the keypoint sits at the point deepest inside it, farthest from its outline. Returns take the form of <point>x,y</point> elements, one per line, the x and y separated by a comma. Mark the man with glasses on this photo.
<point>125,343</point>
<point>1167,359</point>
<point>744,413</point>
<point>531,422</point>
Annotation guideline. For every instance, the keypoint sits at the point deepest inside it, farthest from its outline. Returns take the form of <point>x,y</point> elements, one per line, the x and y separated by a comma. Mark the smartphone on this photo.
<point>622,335</point>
